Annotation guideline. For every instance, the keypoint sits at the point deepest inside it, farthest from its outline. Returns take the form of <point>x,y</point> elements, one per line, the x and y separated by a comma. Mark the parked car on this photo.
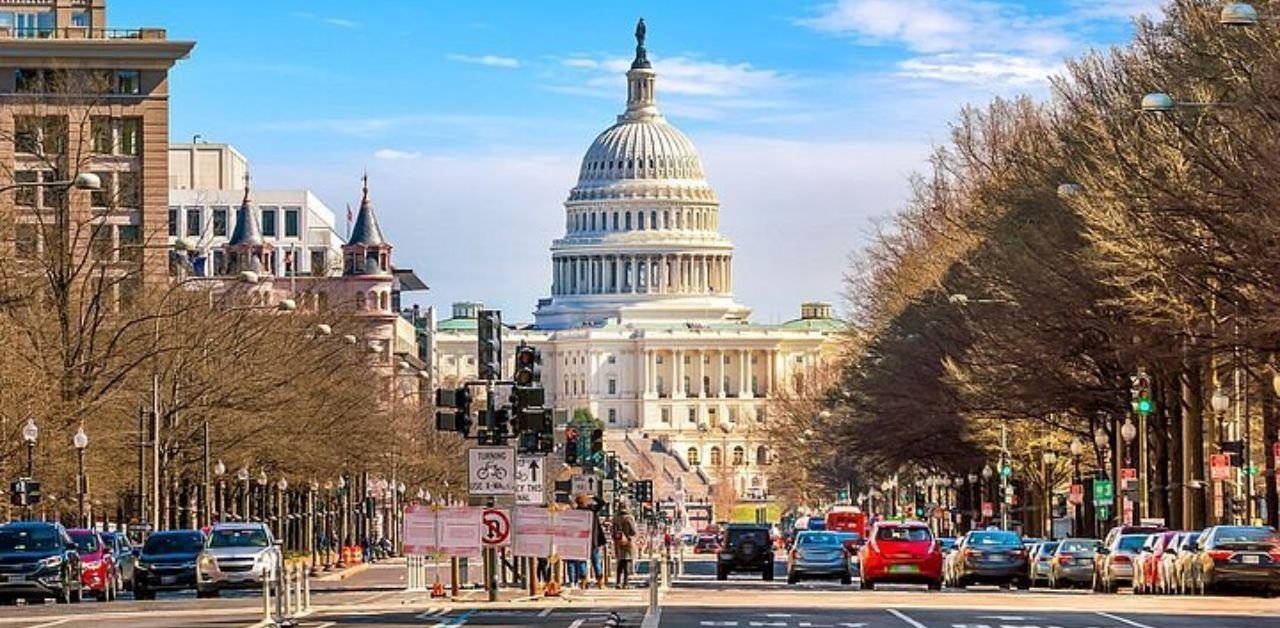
<point>1039,560</point>
<point>707,544</point>
<point>901,552</point>
<point>167,562</point>
<point>122,551</point>
<point>1113,564</point>
<point>1240,556</point>
<point>818,555</point>
<point>237,556</point>
<point>1178,562</point>
<point>1146,565</point>
<point>746,547</point>
<point>990,557</point>
<point>852,542</point>
<point>37,561</point>
<point>98,572</point>
<point>1072,563</point>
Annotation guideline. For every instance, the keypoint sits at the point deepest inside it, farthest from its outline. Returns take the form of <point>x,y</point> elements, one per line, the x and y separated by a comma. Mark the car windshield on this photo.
<point>903,534</point>
<point>33,539</point>
<point>1188,542</point>
<point>1047,549</point>
<point>85,541</point>
<point>1079,547</point>
<point>993,538</point>
<point>1131,542</point>
<point>759,537</point>
<point>238,538</point>
<point>173,544</point>
<point>1245,534</point>
<point>810,539</point>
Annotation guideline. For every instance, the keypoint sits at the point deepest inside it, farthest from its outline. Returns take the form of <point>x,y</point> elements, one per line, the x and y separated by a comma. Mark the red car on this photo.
<point>901,552</point>
<point>98,571</point>
<point>707,544</point>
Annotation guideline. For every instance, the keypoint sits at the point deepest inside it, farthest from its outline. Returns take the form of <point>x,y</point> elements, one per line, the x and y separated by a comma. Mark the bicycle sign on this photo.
<point>491,470</point>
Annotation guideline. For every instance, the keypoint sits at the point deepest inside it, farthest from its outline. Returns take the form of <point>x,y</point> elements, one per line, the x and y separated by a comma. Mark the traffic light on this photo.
<point>643,491</point>
<point>570,446</point>
<point>453,410</point>
<point>597,445</point>
<point>501,427</point>
<point>1141,390</point>
<point>489,337</point>
<point>528,371</point>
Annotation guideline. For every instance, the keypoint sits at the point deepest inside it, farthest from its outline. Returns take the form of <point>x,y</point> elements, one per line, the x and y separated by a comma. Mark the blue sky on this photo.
<point>471,116</point>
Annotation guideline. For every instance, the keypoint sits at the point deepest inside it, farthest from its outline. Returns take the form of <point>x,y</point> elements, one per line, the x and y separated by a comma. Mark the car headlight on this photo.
<point>52,561</point>
<point>91,566</point>
<point>207,562</point>
<point>141,566</point>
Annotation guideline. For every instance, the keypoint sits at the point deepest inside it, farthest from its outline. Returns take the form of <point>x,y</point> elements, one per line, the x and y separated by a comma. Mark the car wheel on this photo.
<point>866,585</point>
<point>76,595</point>
<point>960,583</point>
<point>768,572</point>
<point>102,596</point>
<point>1024,584</point>
<point>722,573</point>
<point>846,579</point>
<point>792,578</point>
<point>935,585</point>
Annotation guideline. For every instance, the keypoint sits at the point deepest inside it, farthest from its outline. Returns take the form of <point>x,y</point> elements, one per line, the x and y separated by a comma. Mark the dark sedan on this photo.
<point>1246,556</point>
<point>991,557</point>
<point>38,560</point>
<point>167,562</point>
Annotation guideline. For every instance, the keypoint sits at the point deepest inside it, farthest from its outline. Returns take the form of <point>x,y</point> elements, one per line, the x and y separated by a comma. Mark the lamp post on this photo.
<point>1048,460</point>
<point>31,433</point>
<point>220,470</point>
<point>312,488</point>
<point>1077,450</point>
<point>282,513</point>
<point>975,508</point>
<point>1127,433</point>
<point>1221,403</point>
<point>328,530</point>
<point>1102,441</point>
<point>342,509</point>
<point>243,476</point>
<point>81,441</point>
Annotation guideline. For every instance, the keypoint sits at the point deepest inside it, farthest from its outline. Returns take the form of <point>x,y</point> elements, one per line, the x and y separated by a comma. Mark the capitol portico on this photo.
<point>641,327</point>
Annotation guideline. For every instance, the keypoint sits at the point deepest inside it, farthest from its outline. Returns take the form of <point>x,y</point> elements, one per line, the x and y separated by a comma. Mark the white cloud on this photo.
<point>392,154</point>
<point>338,21</point>
<point>980,68</point>
<point>489,60</point>
<point>1112,9</point>
<point>332,21</point>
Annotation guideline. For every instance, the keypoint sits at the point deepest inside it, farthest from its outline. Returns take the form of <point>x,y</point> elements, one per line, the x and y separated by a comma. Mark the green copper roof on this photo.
<point>458,324</point>
<point>813,324</point>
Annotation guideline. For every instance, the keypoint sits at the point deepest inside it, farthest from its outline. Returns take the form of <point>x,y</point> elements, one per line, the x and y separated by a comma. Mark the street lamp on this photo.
<point>81,441</point>
<point>30,433</point>
<point>243,476</point>
<point>312,489</point>
<point>328,532</point>
<point>1128,432</point>
<point>262,494</point>
<point>282,485</point>
<point>220,470</point>
<point>1238,14</point>
<point>86,181</point>
<point>1077,450</point>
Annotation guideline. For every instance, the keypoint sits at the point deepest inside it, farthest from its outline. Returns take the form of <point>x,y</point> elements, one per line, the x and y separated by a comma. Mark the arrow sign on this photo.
<point>530,481</point>
<point>533,471</point>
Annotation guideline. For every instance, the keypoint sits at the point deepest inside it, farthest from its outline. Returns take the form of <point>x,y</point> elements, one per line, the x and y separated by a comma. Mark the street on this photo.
<point>376,597</point>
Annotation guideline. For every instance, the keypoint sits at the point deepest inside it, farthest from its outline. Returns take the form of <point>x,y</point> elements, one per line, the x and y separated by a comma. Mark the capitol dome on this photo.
<point>642,241</point>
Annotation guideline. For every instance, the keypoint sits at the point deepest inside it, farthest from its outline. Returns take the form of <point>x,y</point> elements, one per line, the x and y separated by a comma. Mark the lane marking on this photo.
<point>327,624</point>
<point>910,622</point>
<point>1123,620</point>
<point>546,611</point>
<point>577,622</point>
<point>56,622</point>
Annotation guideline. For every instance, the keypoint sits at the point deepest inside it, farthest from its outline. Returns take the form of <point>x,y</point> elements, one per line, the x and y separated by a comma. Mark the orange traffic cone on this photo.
<point>553,589</point>
<point>437,589</point>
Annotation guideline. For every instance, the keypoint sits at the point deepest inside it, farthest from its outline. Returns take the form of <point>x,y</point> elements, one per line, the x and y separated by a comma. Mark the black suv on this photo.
<point>745,547</point>
<point>38,560</point>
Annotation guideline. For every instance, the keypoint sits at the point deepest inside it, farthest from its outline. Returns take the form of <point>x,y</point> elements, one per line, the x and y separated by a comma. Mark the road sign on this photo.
<point>421,534</point>
<point>1219,467</point>
<point>1077,494</point>
<point>459,531</point>
<point>988,509</point>
<point>491,470</point>
<point>531,481</point>
<point>1102,492</point>
<point>497,527</point>
<point>584,484</point>
<point>1128,478</point>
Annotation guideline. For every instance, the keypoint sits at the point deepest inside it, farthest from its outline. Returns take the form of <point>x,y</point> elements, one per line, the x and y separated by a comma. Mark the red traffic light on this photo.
<point>570,433</point>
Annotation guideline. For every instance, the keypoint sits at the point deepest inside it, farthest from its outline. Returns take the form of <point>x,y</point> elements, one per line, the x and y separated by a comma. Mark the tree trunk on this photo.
<point>1193,499</point>
<point>1174,494</point>
<point>1271,436</point>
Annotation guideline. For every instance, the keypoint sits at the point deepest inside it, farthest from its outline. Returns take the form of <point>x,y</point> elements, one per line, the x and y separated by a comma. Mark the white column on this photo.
<point>702,373</point>
<point>744,373</point>
<point>719,374</point>
<point>677,374</point>
<point>728,273</point>
<point>646,376</point>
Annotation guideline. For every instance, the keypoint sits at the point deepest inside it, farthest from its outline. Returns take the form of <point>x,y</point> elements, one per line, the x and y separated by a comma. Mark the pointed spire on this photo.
<point>247,231</point>
<point>366,231</point>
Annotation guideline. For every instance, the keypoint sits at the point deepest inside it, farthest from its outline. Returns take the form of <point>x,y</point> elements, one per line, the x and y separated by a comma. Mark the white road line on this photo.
<point>327,624</point>
<point>50,624</point>
<point>1123,620</point>
<point>903,616</point>
<point>546,611</point>
<point>577,622</point>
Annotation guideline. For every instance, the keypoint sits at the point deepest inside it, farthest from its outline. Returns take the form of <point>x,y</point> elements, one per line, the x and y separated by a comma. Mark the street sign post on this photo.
<point>1102,492</point>
<point>1077,494</point>
<point>988,509</point>
<point>584,484</point>
<point>497,527</point>
<point>531,480</point>
<point>491,470</point>
<point>1219,467</point>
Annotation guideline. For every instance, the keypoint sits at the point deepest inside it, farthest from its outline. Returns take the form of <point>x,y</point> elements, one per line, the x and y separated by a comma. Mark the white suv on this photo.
<point>237,556</point>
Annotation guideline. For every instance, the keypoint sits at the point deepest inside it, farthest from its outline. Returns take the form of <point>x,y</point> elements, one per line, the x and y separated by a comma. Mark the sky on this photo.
<point>471,117</point>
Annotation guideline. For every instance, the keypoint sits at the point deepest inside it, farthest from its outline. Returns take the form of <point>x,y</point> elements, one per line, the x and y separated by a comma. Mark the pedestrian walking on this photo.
<point>624,533</point>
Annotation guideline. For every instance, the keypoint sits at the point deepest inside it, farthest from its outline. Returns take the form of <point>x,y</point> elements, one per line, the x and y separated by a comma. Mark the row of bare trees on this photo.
<point>1055,249</point>
<point>97,334</point>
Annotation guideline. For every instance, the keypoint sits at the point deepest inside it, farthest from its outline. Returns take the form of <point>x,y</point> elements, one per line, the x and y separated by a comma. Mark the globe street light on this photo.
<point>282,485</point>
<point>262,494</point>
<point>219,470</point>
<point>243,476</point>
<point>81,441</point>
<point>30,433</point>
<point>1238,14</point>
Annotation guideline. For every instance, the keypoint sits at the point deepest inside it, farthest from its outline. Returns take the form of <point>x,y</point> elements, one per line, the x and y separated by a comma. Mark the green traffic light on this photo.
<point>1006,471</point>
<point>1145,406</point>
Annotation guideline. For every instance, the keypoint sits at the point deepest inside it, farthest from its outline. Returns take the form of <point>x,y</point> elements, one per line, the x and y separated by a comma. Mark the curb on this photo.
<point>652,618</point>
<point>344,574</point>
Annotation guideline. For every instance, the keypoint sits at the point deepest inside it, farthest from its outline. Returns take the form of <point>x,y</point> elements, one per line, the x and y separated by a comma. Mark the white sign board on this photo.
<point>533,530</point>
<point>531,480</point>
<point>421,534</point>
<point>491,470</point>
<point>584,484</point>
<point>460,531</point>
<point>573,534</point>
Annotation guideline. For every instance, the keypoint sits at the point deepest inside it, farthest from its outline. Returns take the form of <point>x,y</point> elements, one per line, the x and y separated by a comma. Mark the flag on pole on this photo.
<point>350,217</point>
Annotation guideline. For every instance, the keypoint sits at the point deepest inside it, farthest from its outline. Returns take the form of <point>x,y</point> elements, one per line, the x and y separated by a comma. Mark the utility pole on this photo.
<point>1004,477</point>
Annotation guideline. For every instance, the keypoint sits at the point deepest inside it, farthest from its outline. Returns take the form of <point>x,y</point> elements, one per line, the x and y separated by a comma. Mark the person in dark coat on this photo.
<point>624,534</point>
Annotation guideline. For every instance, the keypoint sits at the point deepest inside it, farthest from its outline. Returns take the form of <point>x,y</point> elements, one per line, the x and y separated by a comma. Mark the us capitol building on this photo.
<point>642,328</point>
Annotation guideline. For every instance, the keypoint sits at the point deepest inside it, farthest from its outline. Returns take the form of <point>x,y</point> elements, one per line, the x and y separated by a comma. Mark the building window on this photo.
<point>692,456</point>
<point>100,129</point>
<point>26,196</point>
<point>615,221</point>
<point>26,241</point>
<point>195,221</point>
<point>739,456</point>
<point>130,136</point>
<point>613,386</point>
<point>659,386</point>
<point>318,264</point>
<point>269,222</point>
<point>716,458</point>
<point>686,359</point>
<point>762,415</point>
<point>128,82</point>
<point>693,415</point>
<point>762,455</point>
<point>220,221</point>
<point>640,221</point>
<point>26,134</point>
<point>755,385</point>
<point>687,385</point>
<point>666,415</point>
<point>292,225</point>
<point>628,221</point>
<point>658,359</point>
<point>613,416</point>
<point>724,386</point>
<point>611,359</point>
<point>128,193</point>
<point>173,222</point>
<point>130,243</point>
<point>360,301</point>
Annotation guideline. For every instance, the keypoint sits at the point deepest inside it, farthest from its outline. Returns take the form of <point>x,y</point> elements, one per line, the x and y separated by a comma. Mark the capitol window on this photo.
<point>640,221</point>
<point>716,458</point>
<point>693,415</point>
<point>613,415</point>
<point>666,415</point>
<point>653,220</point>
<point>739,456</point>
<point>611,359</point>
<point>692,456</point>
<point>628,221</point>
<point>613,386</point>
<point>615,221</point>
<point>593,221</point>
